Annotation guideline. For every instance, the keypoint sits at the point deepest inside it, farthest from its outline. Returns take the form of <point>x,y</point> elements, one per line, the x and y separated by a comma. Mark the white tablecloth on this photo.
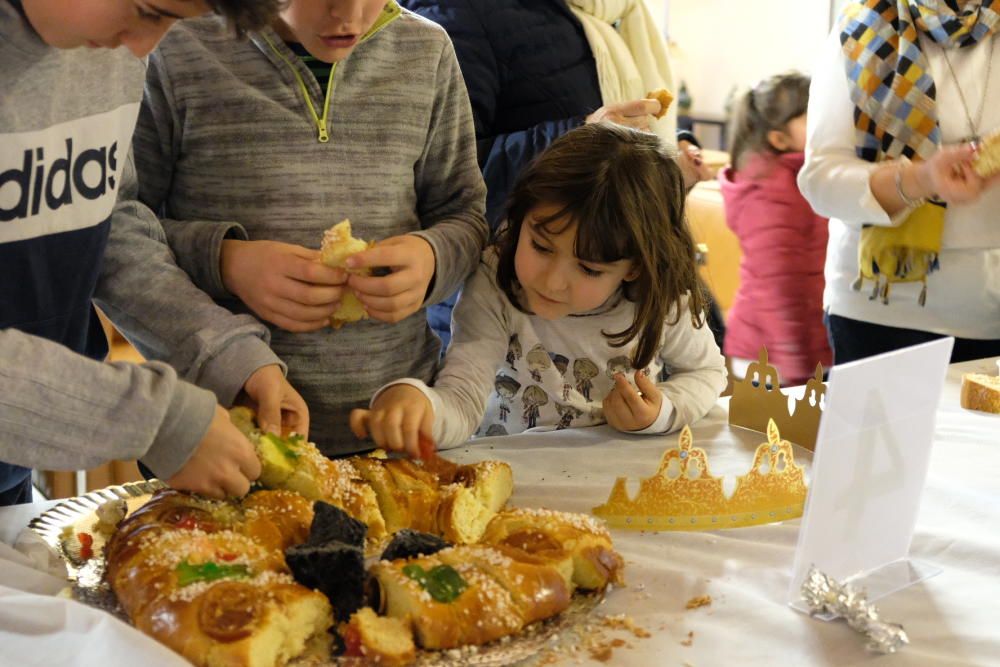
<point>952,619</point>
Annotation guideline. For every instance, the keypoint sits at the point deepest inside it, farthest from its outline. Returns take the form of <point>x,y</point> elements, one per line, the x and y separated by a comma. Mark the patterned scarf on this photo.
<point>891,86</point>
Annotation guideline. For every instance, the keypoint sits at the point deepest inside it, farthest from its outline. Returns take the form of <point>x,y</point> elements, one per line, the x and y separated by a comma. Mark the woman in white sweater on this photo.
<point>903,90</point>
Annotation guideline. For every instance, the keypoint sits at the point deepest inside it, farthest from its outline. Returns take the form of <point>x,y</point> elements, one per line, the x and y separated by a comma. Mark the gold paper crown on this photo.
<point>684,495</point>
<point>757,399</point>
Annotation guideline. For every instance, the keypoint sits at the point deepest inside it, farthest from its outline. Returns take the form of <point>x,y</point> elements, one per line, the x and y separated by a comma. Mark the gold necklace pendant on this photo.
<point>973,137</point>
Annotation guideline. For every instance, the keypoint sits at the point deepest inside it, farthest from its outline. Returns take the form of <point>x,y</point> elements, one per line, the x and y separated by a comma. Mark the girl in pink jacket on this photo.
<point>779,303</point>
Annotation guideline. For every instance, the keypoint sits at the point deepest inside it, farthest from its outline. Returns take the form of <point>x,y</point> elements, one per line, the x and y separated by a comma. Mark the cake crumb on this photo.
<point>699,601</point>
<point>689,640</point>
<point>601,653</point>
<point>548,657</point>
<point>621,621</point>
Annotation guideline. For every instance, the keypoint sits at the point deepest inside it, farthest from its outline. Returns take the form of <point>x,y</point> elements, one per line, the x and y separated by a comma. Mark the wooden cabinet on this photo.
<point>707,217</point>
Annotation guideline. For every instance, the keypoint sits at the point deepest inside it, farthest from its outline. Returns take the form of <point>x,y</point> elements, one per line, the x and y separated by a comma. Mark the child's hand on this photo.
<point>396,420</point>
<point>399,294</point>
<point>279,408</point>
<point>222,465</point>
<point>626,409</point>
<point>637,114</point>
<point>282,283</point>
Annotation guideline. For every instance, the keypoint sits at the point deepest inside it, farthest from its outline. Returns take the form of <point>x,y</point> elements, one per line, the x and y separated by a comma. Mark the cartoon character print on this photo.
<point>506,387</point>
<point>561,363</point>
<point>533,398</point>
<point>496,429</point>
<point>538,361</point>
<point>513,351</point>
<point>567,413</point>
<point>585,370</point>
<point>617,365</point>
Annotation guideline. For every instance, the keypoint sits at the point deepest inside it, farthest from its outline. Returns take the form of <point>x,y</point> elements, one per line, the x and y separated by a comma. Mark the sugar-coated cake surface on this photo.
<point>259,581</point>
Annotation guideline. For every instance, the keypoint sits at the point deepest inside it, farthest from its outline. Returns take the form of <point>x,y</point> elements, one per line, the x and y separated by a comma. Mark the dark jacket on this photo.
<point>530,74</point>
<point>531,78</point>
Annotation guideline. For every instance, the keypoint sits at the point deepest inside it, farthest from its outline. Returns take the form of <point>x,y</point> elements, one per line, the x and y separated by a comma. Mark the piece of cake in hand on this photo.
<point>338,245</point>
<point>987,159</point>
<point>662,96</point>
<point>981,392</point>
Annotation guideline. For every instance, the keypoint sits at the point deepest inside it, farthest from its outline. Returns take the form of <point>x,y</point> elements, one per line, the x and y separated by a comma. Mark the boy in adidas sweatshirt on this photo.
<point>249,157</point>
<point>71,233</point>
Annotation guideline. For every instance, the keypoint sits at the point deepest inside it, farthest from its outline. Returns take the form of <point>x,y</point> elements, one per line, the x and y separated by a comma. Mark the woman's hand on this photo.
<point>628,410</point>
<point>401,293</point>
<point>949,176</point>
<point>279,408</point>
<point>637,114</point>
<point>282,283</point>
<point>396,420</point>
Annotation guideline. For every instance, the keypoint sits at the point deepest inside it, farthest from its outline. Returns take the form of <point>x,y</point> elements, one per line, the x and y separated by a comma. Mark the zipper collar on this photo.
<point>390,12</point>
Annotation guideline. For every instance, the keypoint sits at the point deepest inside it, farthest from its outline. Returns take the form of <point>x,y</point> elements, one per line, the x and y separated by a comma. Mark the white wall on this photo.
<point>719,43</point>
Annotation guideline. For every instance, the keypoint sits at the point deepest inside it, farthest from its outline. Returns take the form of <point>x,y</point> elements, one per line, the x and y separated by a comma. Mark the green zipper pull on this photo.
<point>321,121</point>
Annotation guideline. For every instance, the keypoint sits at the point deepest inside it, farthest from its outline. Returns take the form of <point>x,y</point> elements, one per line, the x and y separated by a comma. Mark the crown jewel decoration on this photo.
<point>757,399</point>
<point>684,495</point>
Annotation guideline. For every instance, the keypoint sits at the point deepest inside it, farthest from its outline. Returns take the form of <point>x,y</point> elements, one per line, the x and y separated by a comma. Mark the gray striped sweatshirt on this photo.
<point>226,144</point>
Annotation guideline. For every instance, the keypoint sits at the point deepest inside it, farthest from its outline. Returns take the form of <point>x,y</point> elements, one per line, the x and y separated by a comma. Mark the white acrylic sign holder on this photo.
<point>869,469</point>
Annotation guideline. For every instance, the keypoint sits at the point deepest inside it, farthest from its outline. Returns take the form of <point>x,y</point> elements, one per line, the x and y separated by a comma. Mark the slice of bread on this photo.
<point>547,533</point>
<point>480,612</point>
<point>467,506</point>
<point>338,245</point>
<point>538,589</point>
<point>381,640</point>
<point>461,518</point>
<point>397,504</point>
<point>981,392</point>
<point>208,579</point>
<point>257,623</point>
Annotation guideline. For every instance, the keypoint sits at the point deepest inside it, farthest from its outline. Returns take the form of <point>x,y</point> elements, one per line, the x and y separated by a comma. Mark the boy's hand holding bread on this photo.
<point>391,297</point>
<point>282,283</point>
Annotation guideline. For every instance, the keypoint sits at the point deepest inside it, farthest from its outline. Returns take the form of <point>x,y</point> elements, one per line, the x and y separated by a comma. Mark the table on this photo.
<point>951,618</point>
